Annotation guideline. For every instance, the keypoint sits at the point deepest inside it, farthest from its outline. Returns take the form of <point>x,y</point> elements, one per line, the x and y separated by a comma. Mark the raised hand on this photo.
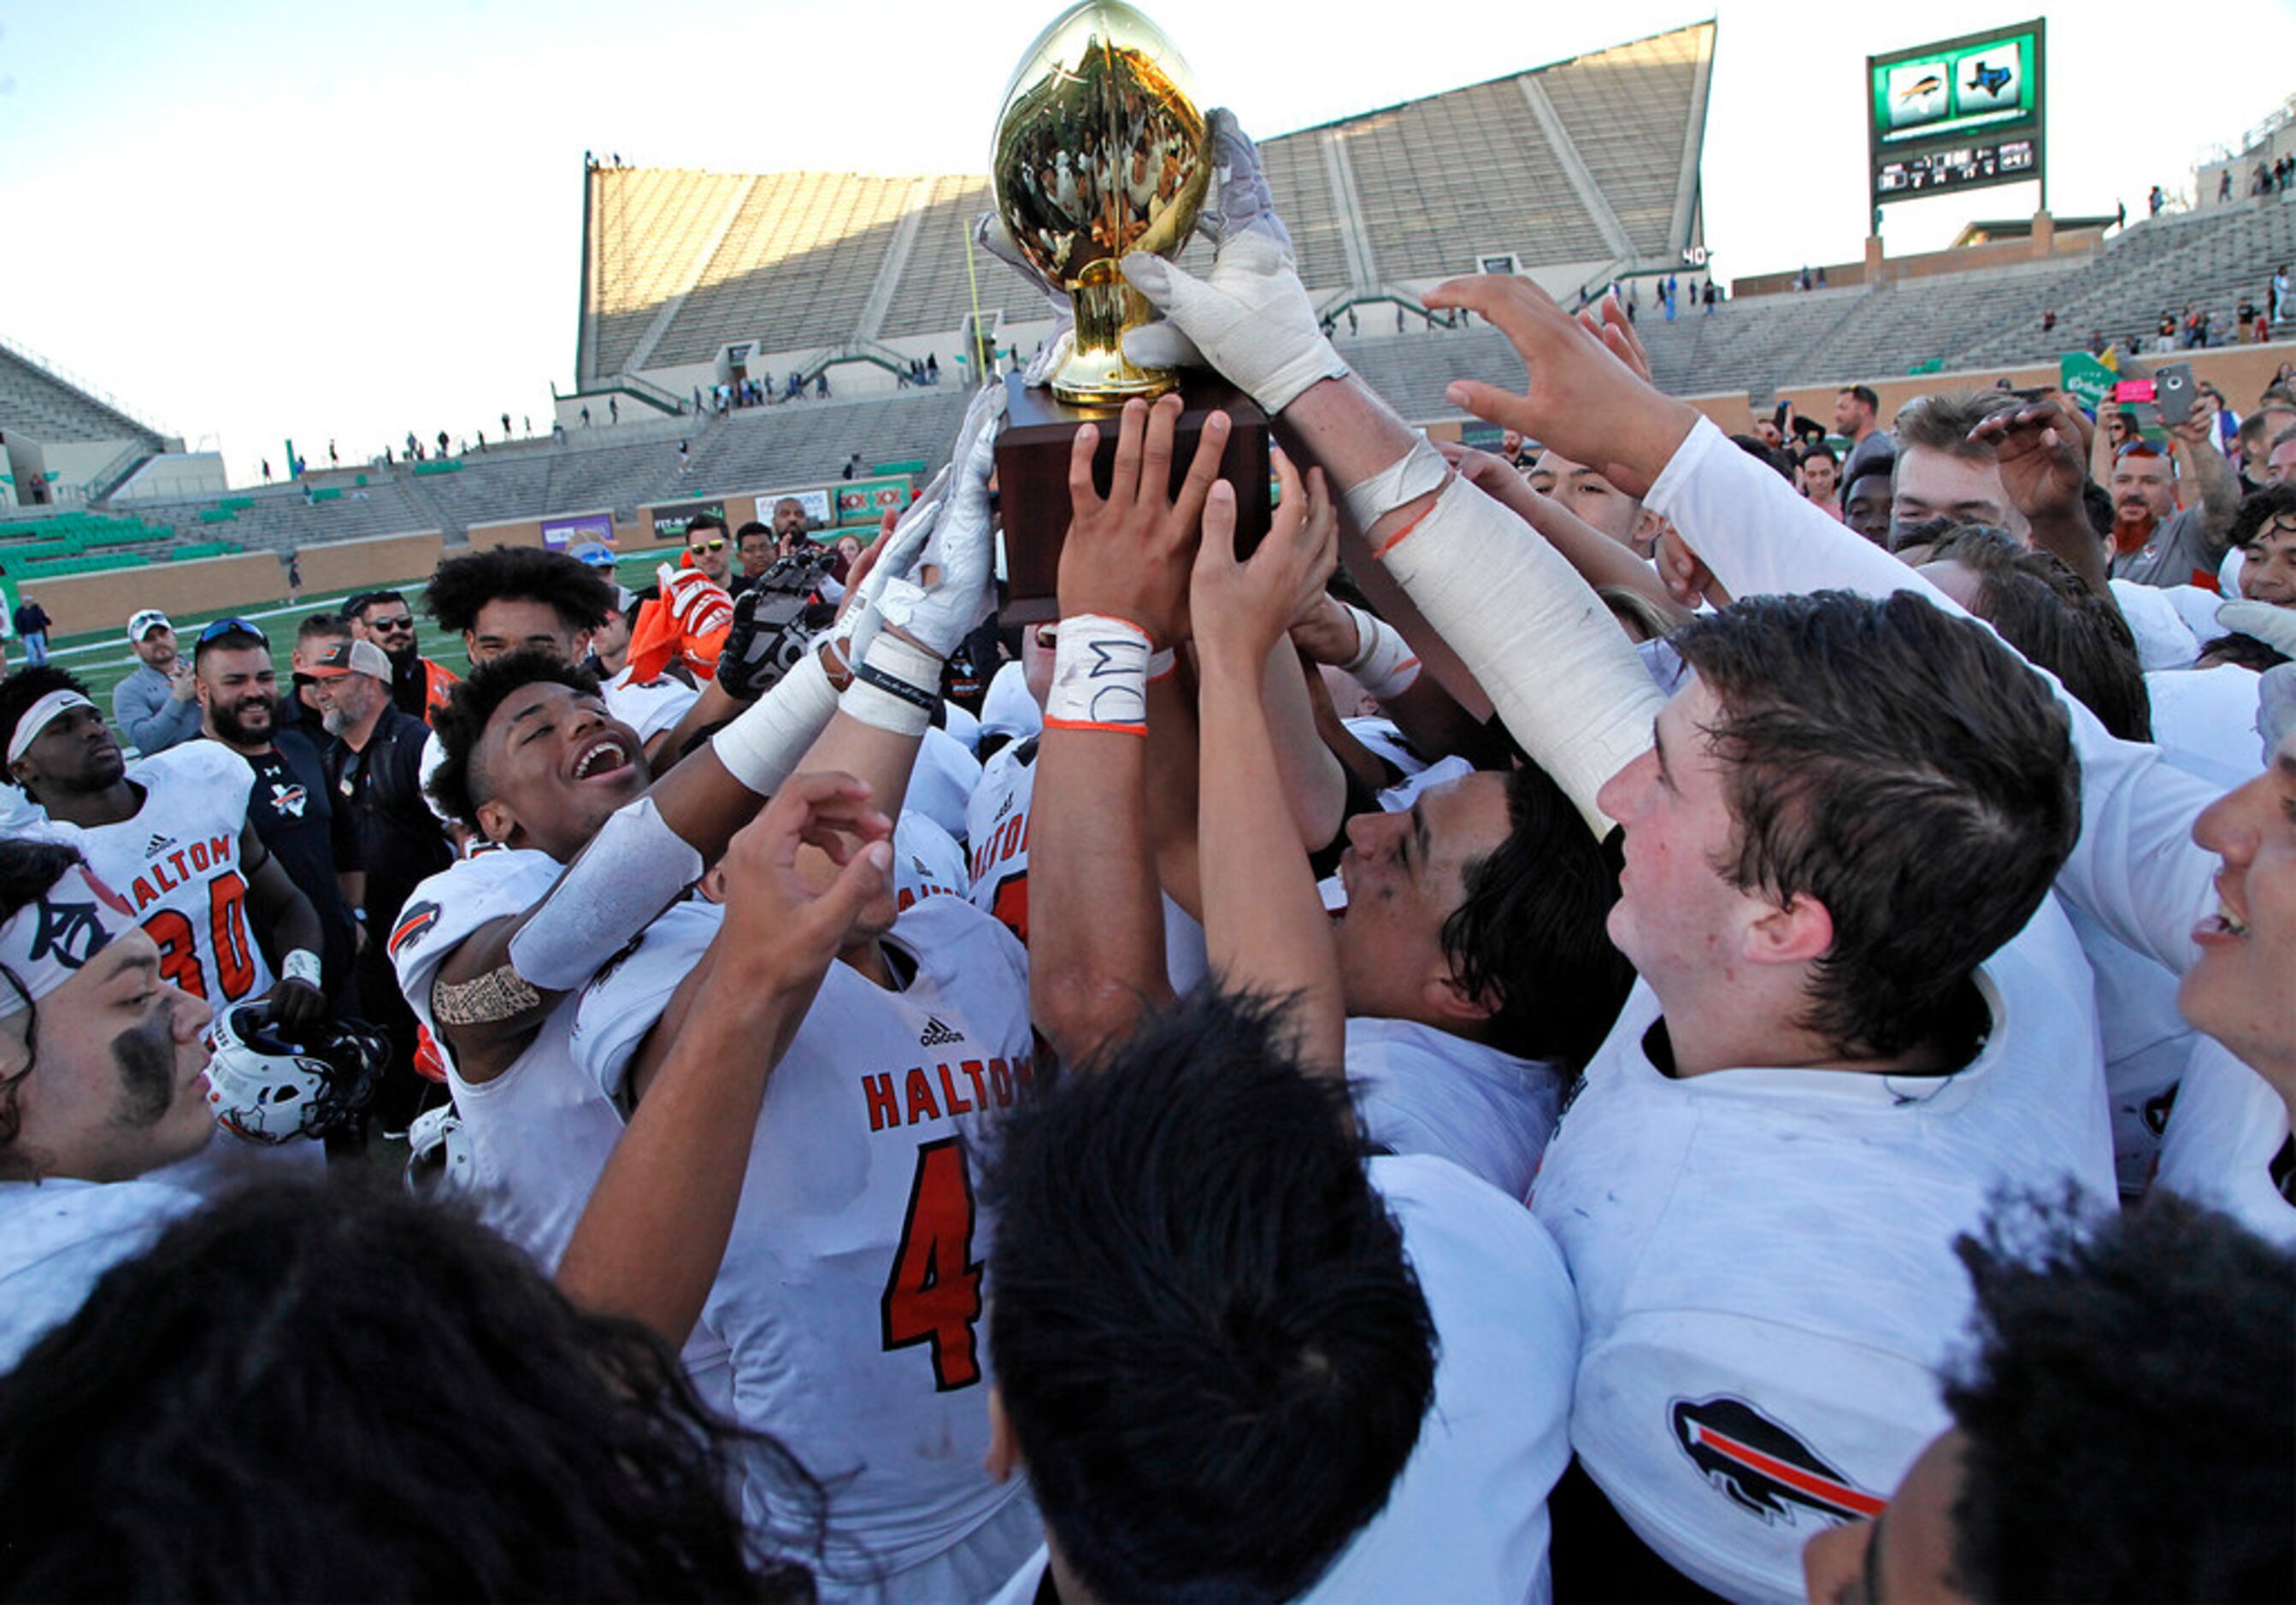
<point>947,584</point>
<point>2038,449</point>
<point>1243,607</point>
<point>1582,397</point>
<point>780,931</point>
<point>1127,554</point>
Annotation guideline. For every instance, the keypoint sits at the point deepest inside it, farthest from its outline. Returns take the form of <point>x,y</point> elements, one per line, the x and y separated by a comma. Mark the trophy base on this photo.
<point>1081,382</point>
<point>1032,478</point>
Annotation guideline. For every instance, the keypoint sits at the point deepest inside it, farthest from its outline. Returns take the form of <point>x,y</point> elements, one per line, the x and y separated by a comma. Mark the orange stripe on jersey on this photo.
<point>1086,725</point>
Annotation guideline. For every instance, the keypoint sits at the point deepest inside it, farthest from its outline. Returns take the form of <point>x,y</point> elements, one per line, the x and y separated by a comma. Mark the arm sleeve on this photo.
<point>2136,870</point>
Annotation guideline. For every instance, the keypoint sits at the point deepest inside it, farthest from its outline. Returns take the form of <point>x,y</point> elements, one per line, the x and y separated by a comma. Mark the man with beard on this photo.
<point>2154,544</point>
<point>386,839</point>
<point>153,706</point>
<point>417,684</point>
<point>289,807</point>
<point>101,1082</point>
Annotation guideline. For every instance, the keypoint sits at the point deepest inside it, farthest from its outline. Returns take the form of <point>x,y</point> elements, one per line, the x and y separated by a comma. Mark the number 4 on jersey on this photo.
<point>934,1295</point>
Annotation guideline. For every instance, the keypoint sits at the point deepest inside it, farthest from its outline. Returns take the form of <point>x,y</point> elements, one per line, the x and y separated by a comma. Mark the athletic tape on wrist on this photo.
<point>1383,665</point>
<point>632,869</point>
<point>763,746</point>
<point>300,965</point>
<point>1100,677</point>
<point>1410,477</point>
<point>1160,664</point>
<point>894,688</point>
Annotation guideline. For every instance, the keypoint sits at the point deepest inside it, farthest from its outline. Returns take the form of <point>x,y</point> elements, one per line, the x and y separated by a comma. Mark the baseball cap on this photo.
<point>143,621</point>
<point>351,658</point>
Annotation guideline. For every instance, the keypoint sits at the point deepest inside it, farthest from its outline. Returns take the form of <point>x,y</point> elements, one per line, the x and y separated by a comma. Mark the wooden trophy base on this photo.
<point>1032,478</point>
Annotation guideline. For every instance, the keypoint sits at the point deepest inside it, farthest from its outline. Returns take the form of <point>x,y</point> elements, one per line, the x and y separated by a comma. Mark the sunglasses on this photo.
<point>707,546</point>
<point>405,621</point>
<point>231,627</point>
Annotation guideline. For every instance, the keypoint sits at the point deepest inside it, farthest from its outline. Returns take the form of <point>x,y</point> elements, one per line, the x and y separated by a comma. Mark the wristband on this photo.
<point>1410,477</point>
<point>1160,664</point>
<point>895,686</point>
<point>763,746</point>
<point>1383,665</point>
<point>300,965</point>
<point>1100,677</point>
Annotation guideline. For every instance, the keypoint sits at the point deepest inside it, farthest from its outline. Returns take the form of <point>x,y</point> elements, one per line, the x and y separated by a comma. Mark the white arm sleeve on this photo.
<point>2136,870</point>
<point>1564,678</point>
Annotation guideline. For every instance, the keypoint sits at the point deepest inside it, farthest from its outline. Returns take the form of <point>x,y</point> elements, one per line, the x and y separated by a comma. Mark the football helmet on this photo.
<point>267,1088</point>
<point>438,1161</point>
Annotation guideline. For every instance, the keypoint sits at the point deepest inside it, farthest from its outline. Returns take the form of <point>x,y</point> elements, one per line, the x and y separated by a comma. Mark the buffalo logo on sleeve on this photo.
<point>1763,1468</point>
<point>414,921</point>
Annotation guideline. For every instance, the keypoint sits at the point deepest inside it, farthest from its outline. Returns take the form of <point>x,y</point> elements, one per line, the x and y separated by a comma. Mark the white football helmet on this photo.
<point>269,1089</point>
<point>438,1161</point>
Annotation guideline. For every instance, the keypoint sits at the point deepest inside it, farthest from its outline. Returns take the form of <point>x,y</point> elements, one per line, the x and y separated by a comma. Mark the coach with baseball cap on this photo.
<point>157,705</point>
<point>387,841</point>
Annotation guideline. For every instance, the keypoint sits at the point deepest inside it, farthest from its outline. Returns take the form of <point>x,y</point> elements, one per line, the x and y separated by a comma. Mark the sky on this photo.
<point>254,220</point>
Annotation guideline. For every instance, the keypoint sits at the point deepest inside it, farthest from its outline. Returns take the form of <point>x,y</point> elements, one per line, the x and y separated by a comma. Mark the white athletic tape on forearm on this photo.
<point>895,687</point>
<point>1383,665</point>
<point>1564,676</point>
<point>300,965</point>
<point>1100,677</point>
<point>632,869</point>
<point>1160,664</point>
<point>763,747</point>
<point>1406,479</point>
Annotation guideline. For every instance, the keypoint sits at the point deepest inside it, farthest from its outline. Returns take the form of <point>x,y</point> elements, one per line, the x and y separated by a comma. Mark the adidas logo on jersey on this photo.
<point>936,1034</point>
<point>158,845</point>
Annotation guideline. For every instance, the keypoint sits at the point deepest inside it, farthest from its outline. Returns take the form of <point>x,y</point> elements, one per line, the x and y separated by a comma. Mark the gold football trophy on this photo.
<point>1099,151</point>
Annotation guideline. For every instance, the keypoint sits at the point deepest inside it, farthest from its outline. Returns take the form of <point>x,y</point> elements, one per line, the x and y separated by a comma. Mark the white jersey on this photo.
<point>2146,1042</point>
<point>1421,1091</point>
<point>2204,722</point>
<point>2227,1144</point>
<point>943,781</point>
<point>851,1292</point>
<point>2164,640</point>
<point>1467,1517</point>
<point>1764,1263</point>
<point>927,861</point>
<point>648,707</point>
<point>538,1136</point>
<point>177,861</point>
<point>59,1237</point>
<point>997,834</point>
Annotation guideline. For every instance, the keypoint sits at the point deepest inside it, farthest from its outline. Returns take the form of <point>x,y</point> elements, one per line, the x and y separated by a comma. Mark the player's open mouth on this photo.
<point>2222,924</point>
<point>607,757</point>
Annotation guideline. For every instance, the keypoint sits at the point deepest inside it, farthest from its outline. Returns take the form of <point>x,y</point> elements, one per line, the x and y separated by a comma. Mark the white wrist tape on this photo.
<point>300,965</point>
<point>1564,676</point>
<point>895,688</point>
<point>632,869</point>
<point>1160,664</point>
<point>1408,477</point>
<point>763,746</point>
<point>1383,665</point>
<point>1100,677</point>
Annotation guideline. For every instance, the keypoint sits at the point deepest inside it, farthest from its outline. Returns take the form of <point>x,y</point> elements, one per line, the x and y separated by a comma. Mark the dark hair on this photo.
<point>1861,393</point>
<point>228,641</point>
<point>1903,767</point>
<point>2244,650</point>
<point>2096,504</point>
<point>703,521</point>
<point>1871,460</point>
<point>460,722</point>
<point>341,1393</point>
<point>1763,452</point>
<point>2040,606</point>
<point>1529,936</point>
<point>567,587</point>
<point>356,606</point>
<point>2259,508</point>
<point>26,686</point>
<point>750,529</point>
<point>1818,448</point>
<point>1209,1347</point>
<point>332,626</point>
<point>2128,1404</point>
<point>28,868</point>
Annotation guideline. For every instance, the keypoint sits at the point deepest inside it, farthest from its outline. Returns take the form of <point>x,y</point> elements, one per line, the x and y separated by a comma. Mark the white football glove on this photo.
<point>2274,625</point>
<point>949,530</point>
<point>989,233</point>
<point>1251,318</point>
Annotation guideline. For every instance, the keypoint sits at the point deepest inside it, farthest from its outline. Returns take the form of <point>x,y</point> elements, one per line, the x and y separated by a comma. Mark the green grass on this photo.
<point>102,658</point>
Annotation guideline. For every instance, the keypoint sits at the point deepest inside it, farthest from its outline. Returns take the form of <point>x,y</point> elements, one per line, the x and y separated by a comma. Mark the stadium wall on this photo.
<point>2241,371</point>
<point>102,602</point>
<point>380,559</point>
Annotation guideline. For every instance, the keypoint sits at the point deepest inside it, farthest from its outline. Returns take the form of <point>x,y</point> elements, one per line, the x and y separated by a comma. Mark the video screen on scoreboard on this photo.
<point>1957,114</point>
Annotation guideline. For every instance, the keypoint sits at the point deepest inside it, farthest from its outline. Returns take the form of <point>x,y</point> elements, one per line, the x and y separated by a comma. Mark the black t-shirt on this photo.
<point>382,824</point>
<point>293,813</point>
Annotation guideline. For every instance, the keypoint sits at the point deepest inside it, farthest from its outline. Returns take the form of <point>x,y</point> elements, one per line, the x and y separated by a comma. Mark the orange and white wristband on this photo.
<point>1383,665</point>
<point>1100,677</point>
